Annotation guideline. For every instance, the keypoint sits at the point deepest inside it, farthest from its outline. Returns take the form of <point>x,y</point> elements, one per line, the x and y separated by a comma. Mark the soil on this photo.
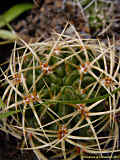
<point>45,19</point>
<point>49,17</point>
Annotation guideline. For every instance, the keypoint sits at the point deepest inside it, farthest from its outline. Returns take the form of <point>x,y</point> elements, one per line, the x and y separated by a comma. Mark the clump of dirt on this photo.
<point>50,17</point>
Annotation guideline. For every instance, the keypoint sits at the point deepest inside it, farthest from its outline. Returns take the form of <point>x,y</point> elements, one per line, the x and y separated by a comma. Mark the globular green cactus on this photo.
<point>65,93</point>
<point>100,16</point>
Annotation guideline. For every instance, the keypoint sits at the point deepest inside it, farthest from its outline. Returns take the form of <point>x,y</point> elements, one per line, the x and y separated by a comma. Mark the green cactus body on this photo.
<point>49,84</point>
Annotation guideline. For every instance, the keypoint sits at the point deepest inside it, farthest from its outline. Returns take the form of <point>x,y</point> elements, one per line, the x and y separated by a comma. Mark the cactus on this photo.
<point>66,94</point>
